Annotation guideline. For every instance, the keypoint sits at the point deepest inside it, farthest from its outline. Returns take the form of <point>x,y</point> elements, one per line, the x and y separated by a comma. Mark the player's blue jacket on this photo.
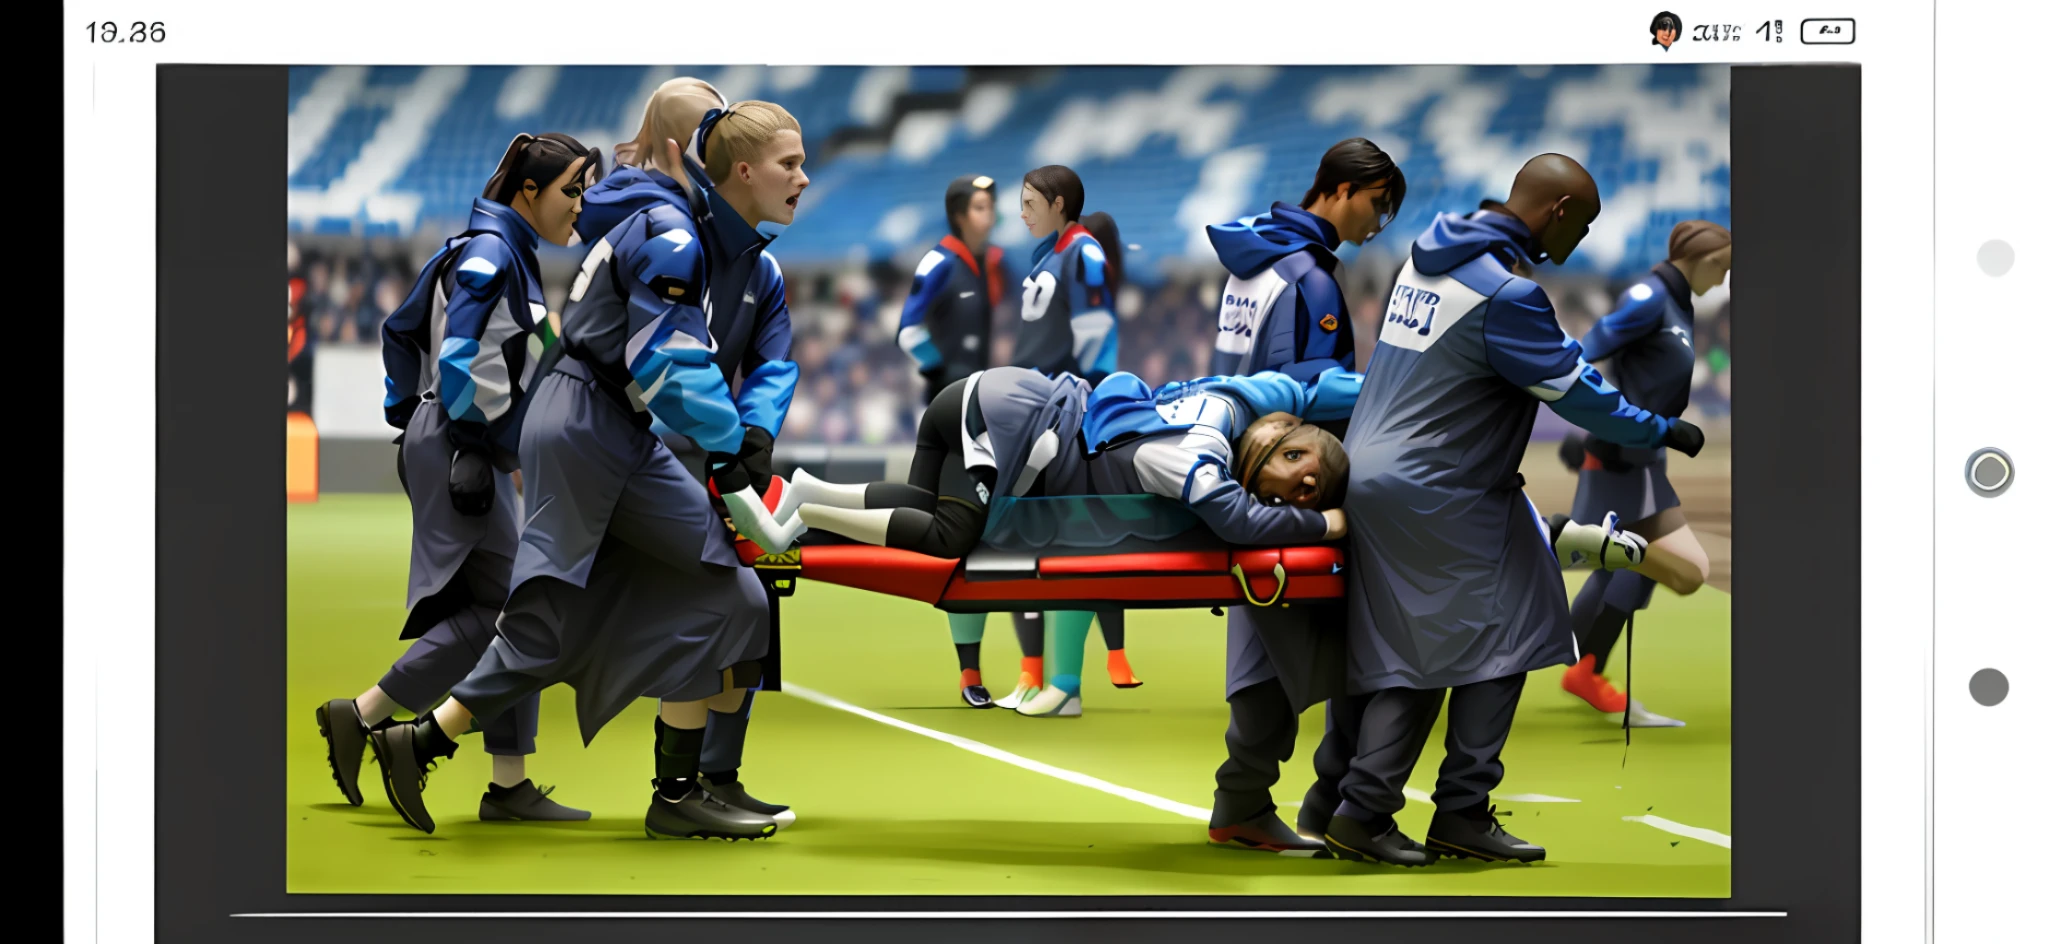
<point>1649,336</point>
<point>1282,308</point>
<point>946,321</point>
<point>686,312</point>
<point>623,192</point>
<point>1069,319</point>
<point>1454,581</point>
<point>466,333</point>
<point>675,309</point>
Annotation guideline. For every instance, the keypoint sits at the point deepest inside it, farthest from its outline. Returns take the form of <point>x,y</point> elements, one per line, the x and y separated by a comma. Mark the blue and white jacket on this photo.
<point>467,333</point>
<point>685,312</point>
<point>1282,308</point>
<point>1649,336</point>
<point>1069,317</point>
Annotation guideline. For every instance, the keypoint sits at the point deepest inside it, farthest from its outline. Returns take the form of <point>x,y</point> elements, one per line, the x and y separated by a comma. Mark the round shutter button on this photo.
<point>1989,472</point>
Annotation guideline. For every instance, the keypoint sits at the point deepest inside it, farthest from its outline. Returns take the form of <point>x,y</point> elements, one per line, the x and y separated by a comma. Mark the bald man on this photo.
<point>1454,584</point>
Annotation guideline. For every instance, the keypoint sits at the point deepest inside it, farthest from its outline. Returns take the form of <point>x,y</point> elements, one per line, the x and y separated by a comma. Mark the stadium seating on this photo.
<point>384,151</point>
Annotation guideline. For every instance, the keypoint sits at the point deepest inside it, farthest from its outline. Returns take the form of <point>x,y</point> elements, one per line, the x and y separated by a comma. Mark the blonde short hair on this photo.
<point>743,134</point>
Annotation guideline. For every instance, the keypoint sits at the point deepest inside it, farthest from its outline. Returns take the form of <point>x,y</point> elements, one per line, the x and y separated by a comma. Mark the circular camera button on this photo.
<point>1989,472</point>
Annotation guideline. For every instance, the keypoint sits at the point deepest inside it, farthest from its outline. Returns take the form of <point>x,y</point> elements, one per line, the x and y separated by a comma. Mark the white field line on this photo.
<point>995,753</point>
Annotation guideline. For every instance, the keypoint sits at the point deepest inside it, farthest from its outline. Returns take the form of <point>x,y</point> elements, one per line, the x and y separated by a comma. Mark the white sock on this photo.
<point>866,525</point>
<point>375,706</point>
<point>507,771</point>
<point>807,489</point>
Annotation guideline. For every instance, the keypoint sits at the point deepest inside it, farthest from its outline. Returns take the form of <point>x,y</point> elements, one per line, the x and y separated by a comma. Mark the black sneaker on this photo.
<point>405,780</point>
<point>525,802</point>
<point>341,725</point>
<point>735,795</point>
<point>1265,833</point>
<point>1470,834</point>
<point>1356,840</point>
<point>698,815</point>
<point>976,697</point>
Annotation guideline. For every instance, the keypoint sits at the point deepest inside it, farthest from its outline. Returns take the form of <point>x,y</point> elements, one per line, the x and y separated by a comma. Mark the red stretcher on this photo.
<point>990,581</point>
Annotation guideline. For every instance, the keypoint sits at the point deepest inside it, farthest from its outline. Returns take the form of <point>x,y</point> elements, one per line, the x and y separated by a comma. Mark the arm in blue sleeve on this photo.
<point>1642,309</point>
<point>927,293</point>
<point>404,346</point>
<point>770,374</point>
<point>1525,347</point>
<point>677,380</point>
<point>476,383</point>
<point>1322,335</point>
<point>1093,321</point>
<point>1237,518</point>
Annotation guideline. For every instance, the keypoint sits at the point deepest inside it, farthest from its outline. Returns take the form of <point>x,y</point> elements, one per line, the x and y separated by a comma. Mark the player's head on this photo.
<point>754,154</point>
<point>1703,251</point>
<point>1664,29</point>
<point>1358,189</point>
<point>673,113</point>
<point>543,178</point>
<point>1051,198</point>
<point>1284,461</point>
<point>1103,228</point>
<point>971,208</point>
<point>1557,199</point>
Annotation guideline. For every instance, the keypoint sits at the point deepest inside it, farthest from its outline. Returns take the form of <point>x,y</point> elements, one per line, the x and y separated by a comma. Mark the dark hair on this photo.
<point>1099,225</point>
<point>960,193</point>
<point>1056,181</point>
<point>1361,164</point>
<point>539,159</point>
<point>1665,21</point>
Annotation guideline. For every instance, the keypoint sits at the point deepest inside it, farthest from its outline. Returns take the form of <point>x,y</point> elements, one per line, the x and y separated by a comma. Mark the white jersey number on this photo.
<point>1038,295</point>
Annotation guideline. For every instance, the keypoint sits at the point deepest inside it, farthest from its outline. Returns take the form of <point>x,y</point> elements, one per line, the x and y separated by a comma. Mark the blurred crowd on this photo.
<point>858,386</point>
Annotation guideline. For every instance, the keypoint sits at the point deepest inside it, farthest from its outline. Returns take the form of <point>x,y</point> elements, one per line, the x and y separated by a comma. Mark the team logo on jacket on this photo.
<point>1329,322</point>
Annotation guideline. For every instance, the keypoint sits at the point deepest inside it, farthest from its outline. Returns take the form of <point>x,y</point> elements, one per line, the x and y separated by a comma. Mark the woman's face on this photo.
<point>1292,475</point>
<point>553,208</point>
<point>979,218</point>
<point>1041,218</point>
<point>775,182</point>
<point>1711,270</point>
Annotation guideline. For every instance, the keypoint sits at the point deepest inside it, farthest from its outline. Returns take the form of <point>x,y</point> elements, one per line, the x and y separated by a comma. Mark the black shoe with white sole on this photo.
<point>699,815</point>
<point>735,795</point>
<point>341,726</point>
<point>1380,840</point>
<point>1475,833</point>
<point>976,696</point>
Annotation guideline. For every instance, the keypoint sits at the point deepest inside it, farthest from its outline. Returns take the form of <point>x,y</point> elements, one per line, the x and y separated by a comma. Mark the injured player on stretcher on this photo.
<point>1242,453</point>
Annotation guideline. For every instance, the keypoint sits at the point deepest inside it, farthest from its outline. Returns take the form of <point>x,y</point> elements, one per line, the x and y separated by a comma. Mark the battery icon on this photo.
<point>1827,32</point>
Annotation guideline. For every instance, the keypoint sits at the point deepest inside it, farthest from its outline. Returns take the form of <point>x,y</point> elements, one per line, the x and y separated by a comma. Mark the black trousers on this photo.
<point>1394,724</point>
<point>1260,738</point>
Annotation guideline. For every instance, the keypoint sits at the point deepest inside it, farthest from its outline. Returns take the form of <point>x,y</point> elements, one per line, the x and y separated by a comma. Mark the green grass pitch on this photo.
<point>881,810</point>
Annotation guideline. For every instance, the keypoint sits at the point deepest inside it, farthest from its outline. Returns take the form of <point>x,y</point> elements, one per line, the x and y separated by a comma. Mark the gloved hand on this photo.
<point>1573,451</point>
<point>757,457</point>
<point>472,483</point>
<point>1685,438</point>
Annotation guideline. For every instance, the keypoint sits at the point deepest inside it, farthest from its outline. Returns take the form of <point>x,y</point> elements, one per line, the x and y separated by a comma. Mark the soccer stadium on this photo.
<point>898,787</point>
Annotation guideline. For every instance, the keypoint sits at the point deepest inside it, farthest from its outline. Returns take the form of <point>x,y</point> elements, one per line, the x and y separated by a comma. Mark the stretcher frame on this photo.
<point>991,581</point>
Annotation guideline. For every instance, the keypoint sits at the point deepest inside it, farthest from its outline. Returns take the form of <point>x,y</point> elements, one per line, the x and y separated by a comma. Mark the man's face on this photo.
<point>979,218</point>
<point>1667,36</point>
<point>1571,221</point>
<point>1369,210</point>
<point>1292,474</point>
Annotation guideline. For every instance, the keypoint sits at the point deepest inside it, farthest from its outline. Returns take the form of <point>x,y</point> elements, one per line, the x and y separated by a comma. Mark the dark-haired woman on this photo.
<point>1069,325</point>
<point>460,354</point>
<point>1647,341</point>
